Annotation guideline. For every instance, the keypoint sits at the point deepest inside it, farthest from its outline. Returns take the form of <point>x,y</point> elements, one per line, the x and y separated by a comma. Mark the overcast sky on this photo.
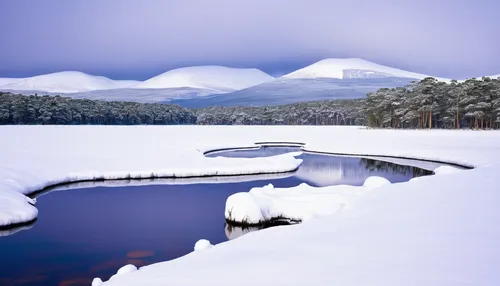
<point>129,39</point>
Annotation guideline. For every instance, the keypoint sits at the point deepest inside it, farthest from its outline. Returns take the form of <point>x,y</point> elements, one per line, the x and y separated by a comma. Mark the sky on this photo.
<point>128,39</point>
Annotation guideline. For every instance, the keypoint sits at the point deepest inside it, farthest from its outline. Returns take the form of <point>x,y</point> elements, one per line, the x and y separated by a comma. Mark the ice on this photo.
<point>202,244</point>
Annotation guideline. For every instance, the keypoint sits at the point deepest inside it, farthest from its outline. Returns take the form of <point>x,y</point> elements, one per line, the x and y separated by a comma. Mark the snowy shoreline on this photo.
<point>441,233</point>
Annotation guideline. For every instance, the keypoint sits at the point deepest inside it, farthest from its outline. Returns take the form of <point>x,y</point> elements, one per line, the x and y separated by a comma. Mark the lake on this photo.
<point>92,229</point>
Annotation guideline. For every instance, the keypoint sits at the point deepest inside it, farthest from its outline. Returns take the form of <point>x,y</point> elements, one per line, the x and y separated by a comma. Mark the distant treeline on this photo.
<point>20,109</point>
<point>33,109</point>
<point>331,112</point>
<point>474,103</point>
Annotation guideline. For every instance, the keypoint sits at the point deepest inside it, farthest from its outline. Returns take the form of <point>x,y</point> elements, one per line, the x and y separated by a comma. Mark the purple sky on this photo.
<point>138,39</point>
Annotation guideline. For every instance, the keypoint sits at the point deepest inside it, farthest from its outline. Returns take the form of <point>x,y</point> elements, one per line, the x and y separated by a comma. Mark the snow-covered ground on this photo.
<point>435,230</point>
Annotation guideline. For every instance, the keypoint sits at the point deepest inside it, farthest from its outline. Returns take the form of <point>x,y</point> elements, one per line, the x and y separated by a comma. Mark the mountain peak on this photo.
<point>64,82</point>
<point>218,78</point>
<point>345,68</point>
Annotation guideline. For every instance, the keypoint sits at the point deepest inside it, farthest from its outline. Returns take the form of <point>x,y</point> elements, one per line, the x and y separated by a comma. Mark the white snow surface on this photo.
<point>4,81</point>
<point>434,230</point>
<point>217,78</point>
<point>302,202</point>
<point>202,244</point>
<point>65,82</point>
<point>494,76</point>
<point>339,69</point>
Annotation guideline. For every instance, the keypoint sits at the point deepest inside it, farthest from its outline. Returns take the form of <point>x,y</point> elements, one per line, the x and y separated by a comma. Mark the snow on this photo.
<point>299,203</point>
<point>107,153</point>
<point>15,207</point>
<point>350,68</point>
<point>97,282</point>
<point>217,78</point>
<point>202,244</point>
<point>65,82</point>
<point>436,230</point>
<point>4,81</point>
<point>494,76</point>
<point>129,268</point>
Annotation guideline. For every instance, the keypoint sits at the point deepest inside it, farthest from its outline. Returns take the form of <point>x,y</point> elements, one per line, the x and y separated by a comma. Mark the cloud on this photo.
<point>139,39</point>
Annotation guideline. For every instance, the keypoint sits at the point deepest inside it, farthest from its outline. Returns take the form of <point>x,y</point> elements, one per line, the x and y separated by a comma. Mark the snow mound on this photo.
<point>129,268</point>
<point>97,282</point>
<point>219,78</point>
<point>202,244</point>
<point>243,207</point>
<point>491,76</point>
<point>350,68</point>
<point>66,82</point>
<point>446,170</point>
<point>16,208</point>
<point>375,182</point>
<point>302,202</point>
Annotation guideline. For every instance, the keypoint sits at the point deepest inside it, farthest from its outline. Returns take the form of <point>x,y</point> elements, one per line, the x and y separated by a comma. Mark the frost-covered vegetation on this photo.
<point>19,109</point>
<point>331,112</point>
<point>33,109</point>
<point>474,103</point>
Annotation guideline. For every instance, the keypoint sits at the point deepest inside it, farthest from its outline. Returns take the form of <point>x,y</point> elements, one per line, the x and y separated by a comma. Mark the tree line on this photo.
<point>34,109</point>
<point>429,103</point>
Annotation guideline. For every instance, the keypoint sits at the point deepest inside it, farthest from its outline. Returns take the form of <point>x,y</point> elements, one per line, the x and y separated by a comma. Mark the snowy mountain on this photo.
<point>285,90</point>
<point>217,78</point>
<point>144,95</point>
<point>4,81</point>
<point>65,82</point>
<point>351,68</point>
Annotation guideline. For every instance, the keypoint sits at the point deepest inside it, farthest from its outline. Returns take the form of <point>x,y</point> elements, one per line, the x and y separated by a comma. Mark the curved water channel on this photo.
<point>96,228</point>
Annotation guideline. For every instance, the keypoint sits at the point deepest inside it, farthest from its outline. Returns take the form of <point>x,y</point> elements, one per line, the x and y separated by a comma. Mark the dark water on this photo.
<point>92,231</point>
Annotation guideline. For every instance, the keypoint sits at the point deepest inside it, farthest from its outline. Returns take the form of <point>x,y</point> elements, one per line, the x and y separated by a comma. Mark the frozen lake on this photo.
<point>91,231</point>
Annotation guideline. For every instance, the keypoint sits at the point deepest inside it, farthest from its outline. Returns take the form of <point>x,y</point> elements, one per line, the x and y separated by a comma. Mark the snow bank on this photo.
<point>437,230</point>
<point>93,153</point>
<point>15,208</point>
<point>202,244</point>
<point>298,203</point>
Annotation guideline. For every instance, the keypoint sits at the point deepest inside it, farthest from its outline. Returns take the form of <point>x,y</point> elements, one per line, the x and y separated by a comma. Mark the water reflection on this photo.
<point>91,229</point>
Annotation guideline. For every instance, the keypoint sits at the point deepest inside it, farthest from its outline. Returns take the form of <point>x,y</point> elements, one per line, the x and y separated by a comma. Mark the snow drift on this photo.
<point>217,78</point>
<point>298,203</point>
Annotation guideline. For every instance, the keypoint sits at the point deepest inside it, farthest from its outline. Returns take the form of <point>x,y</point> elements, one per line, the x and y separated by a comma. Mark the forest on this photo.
<point>429,103</point>
<point>34,109</point>
<point>474,103</point>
